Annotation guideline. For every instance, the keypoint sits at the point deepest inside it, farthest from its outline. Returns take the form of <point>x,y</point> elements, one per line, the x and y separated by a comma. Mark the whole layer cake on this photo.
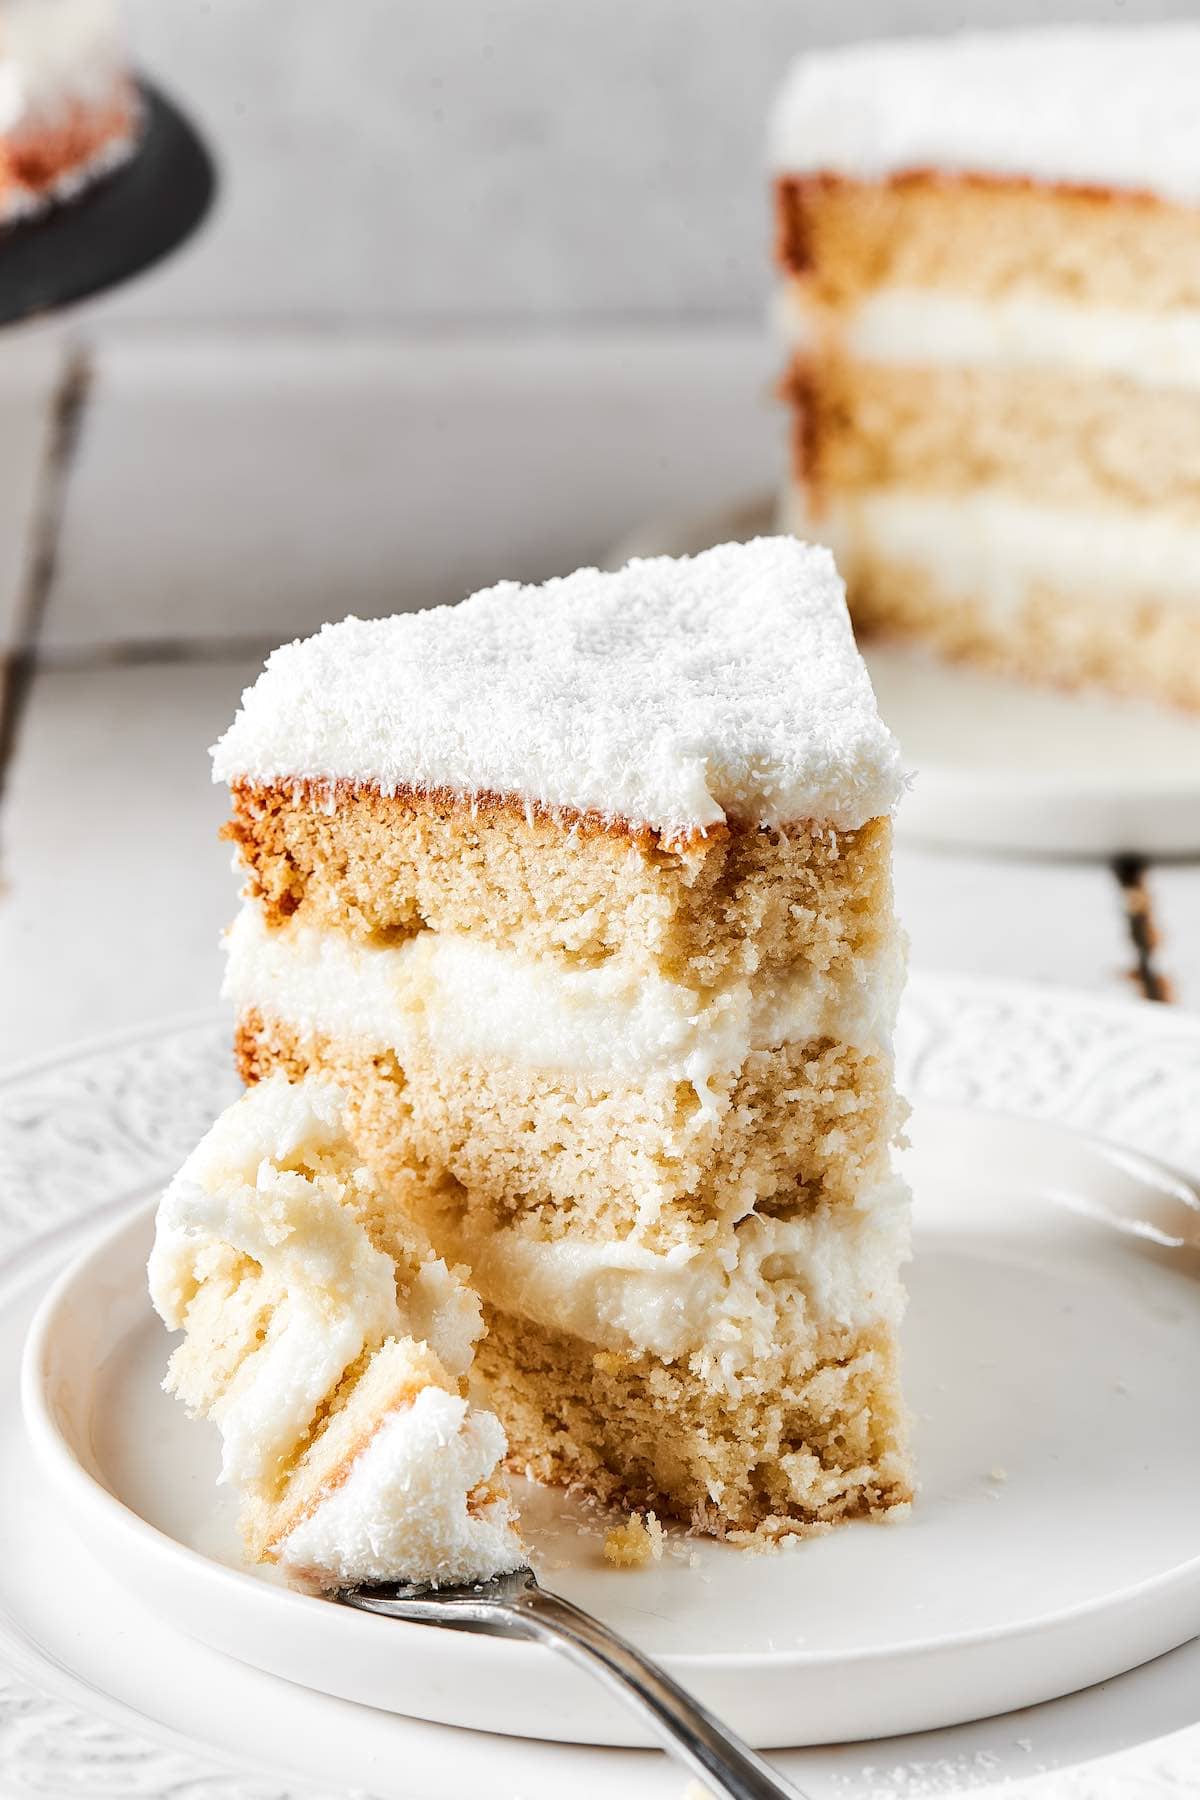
<point>68,105</point>
<point>991,258</point>
<point>581,894</point>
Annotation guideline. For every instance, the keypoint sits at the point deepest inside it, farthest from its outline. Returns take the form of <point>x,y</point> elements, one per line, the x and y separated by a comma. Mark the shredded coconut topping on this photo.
<point>672,693</point>
<point>1106,106</point>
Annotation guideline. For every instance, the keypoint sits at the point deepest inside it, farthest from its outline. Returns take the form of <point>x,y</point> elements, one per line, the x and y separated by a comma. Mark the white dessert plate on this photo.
<point>1001,765</point>
<point>1052,1357</point>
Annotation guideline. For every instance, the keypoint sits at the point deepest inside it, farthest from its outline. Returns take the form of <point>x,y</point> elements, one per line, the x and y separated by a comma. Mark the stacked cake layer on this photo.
<point>582,895</point>
<point>991,256</point>
<point>331,1347</point>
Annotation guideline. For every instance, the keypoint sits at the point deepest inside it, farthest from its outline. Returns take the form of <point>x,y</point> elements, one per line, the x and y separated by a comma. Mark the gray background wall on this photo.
<point>429,162</point>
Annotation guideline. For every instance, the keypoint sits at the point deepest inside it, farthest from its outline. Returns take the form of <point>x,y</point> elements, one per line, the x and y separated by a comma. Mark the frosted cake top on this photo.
<point>1100,106</point>
<point>671,693</point>
<point>56,51</point>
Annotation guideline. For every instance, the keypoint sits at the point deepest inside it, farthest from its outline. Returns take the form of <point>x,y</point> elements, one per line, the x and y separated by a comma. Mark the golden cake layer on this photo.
<point>986,236</point>
<point>726,901</point>
<point>818,1435</point>
<point>1043,435</point>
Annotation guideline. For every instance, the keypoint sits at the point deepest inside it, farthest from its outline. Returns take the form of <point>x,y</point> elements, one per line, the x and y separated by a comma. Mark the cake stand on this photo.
<point>117,226</point>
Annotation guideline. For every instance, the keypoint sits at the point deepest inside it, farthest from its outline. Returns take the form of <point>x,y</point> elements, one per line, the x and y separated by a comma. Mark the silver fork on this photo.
<point>514,1606</point>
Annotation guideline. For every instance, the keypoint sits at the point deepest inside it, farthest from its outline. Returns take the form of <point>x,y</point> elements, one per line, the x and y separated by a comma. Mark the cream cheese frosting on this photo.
<point>1097,106</point>
<point>671,694</point>
<point>931,327</point>
<point>467,1000</point>
<point>769,1281</point>
<point>994,546</point>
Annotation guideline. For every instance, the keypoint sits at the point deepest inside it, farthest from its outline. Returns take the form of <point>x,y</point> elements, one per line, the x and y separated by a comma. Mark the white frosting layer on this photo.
<point>403,1504</point>
<point>54,53</point>
<point>926,326</point>
<point>773,1281</point>
<point>244,1193</point>
<point>465,999</point>
<point>670,693</point>
<point>1097,106</point>
<point>992,546</point>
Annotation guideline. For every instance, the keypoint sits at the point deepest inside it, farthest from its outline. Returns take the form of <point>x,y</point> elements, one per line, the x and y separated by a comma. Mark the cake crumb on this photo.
<point>997,1474</point>
<point>696,1790</point>
<point>635,1543</point>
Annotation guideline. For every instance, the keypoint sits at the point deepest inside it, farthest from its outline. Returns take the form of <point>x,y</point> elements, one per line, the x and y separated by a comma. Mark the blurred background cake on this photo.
<point>68,106</point>
<point>990,249</point>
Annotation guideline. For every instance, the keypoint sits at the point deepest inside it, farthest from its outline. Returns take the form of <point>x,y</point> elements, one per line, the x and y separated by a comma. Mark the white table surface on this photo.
<point>119,672</point>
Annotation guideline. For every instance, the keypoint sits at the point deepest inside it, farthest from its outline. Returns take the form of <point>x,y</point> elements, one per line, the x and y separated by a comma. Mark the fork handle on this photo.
<point>723,1763</point>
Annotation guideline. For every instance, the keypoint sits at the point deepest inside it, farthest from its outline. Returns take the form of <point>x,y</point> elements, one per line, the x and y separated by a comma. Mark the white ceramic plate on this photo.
<point>1001,765</point>
<point>1051,1362</point>
<point>100,1694</point>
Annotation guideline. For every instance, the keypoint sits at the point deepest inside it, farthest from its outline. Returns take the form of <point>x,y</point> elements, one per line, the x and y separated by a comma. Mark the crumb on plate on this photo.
<point>635,1543</point>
